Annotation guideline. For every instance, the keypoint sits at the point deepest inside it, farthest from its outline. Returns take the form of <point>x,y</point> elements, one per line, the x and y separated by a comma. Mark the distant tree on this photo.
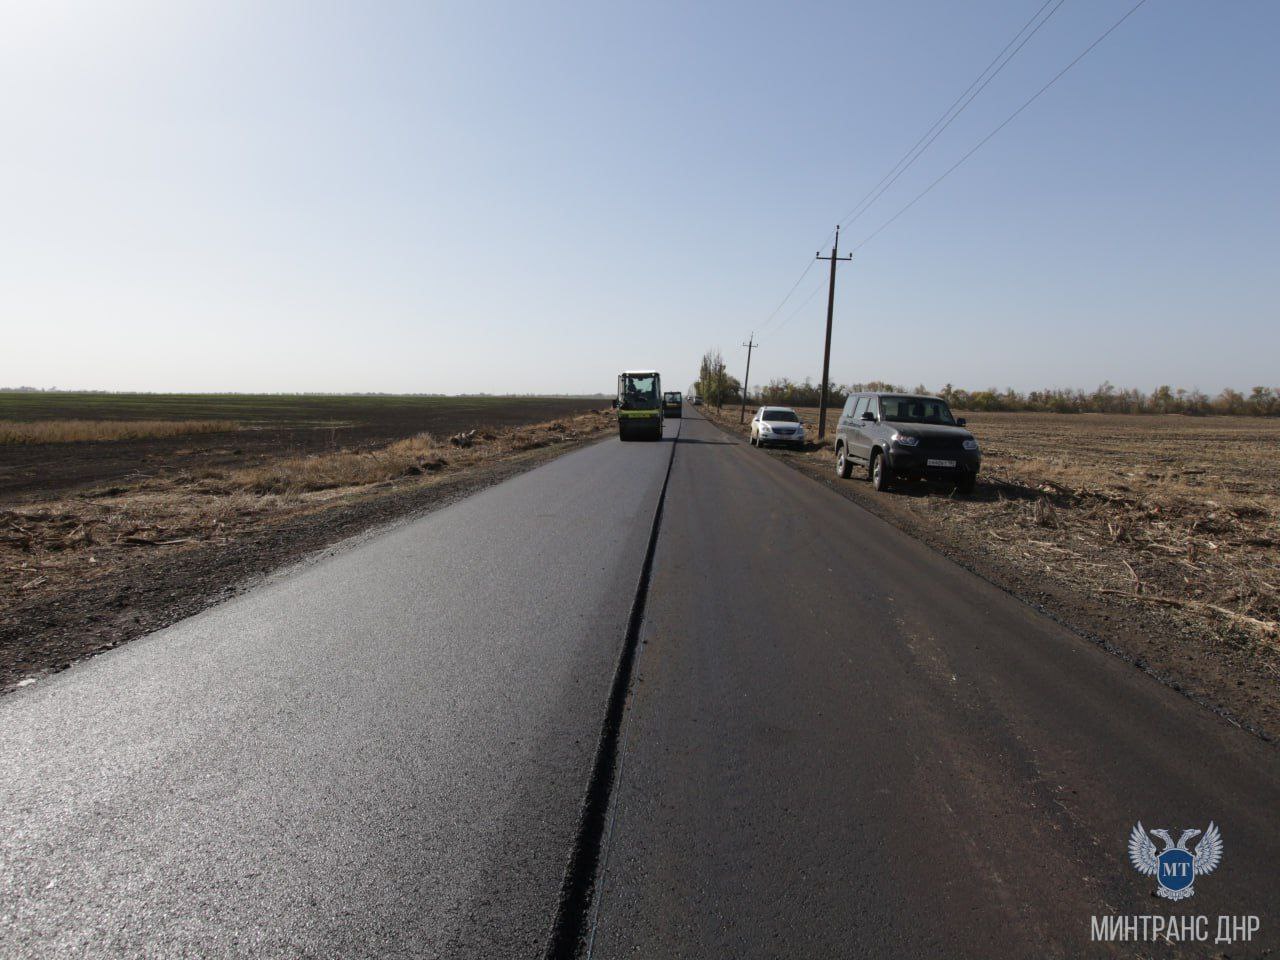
<point>732,389</point>
<point>1264,402</point>
<point>713,379</point>
<point>1231,402</point>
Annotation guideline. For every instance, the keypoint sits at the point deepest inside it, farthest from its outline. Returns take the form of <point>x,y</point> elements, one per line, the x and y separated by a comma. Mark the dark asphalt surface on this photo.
<point>841,744</point>
<point>837,744</point>
<point>381,754</point>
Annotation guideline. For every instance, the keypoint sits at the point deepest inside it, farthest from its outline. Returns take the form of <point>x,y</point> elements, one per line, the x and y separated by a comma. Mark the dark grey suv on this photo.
<point>892,435</point>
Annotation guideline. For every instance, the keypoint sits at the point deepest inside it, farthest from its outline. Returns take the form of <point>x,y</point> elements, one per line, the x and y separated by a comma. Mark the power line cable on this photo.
<point>940,125</point>
<point>804,303</point>
<point>783,303</point>
<point>1009,119</point>
<point>945,120</point>
<point>800,279</point>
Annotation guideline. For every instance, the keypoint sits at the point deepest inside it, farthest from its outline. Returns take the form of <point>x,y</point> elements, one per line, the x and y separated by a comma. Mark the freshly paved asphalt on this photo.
<point>838,744</point>
<point>382,754</point>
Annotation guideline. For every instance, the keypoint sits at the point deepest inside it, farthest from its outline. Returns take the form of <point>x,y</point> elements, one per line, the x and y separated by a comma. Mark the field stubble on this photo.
<point>134,437</point>
<point>1175,511</point>
<point>74,431</point>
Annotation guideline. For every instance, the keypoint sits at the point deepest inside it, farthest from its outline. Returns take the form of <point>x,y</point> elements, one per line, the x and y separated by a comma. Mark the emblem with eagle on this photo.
<point>1175,867</point>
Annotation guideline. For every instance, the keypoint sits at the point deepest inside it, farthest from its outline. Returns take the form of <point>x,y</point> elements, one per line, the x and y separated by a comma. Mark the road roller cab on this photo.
<point>639,405</point>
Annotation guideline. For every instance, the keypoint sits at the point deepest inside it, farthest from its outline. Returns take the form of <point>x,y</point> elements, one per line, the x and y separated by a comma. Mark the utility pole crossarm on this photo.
<point>826,353</point>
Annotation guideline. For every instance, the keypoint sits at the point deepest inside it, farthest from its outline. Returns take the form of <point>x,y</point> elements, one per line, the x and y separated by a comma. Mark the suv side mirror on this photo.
<point>960,421</point>
<point>868,415</point>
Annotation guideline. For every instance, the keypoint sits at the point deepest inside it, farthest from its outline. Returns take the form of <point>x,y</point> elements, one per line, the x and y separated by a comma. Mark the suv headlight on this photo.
<point>971,444</point>
<point>905,441</point>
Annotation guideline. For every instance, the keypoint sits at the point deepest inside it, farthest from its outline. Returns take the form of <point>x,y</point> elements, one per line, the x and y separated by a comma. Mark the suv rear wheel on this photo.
<point>881,474</point>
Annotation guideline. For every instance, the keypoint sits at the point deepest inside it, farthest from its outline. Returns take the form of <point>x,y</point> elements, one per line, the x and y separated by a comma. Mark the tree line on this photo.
<point>1259,402</point>
<point>716,386</point>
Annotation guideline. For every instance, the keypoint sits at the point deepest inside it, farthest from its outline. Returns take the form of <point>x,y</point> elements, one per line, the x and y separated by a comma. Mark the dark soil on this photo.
<point>39,471</point>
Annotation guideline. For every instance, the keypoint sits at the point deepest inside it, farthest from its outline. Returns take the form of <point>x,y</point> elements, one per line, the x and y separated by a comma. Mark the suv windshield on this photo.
<point>916,410</point>
<point>786,416</point>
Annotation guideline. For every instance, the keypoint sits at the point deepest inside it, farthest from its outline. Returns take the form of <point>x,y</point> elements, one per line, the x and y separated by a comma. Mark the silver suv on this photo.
<point>891,435</point>
<point>777,425</point>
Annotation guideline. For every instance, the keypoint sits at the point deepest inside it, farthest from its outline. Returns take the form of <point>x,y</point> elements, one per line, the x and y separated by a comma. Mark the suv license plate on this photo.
<point>941,463</point>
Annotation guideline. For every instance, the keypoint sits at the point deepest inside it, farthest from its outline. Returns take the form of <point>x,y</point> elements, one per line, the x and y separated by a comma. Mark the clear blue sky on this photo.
<point>521,197</point>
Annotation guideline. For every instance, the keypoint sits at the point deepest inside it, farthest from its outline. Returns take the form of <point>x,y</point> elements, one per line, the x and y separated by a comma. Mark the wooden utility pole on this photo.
<point>750,344</point>
<point>826,353</point>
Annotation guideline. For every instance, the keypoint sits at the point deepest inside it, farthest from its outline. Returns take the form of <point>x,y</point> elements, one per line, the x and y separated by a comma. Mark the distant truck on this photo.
<point>639,405</point>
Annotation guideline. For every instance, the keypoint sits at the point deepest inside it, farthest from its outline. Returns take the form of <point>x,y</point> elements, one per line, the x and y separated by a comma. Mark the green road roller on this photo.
<point>639,405</point>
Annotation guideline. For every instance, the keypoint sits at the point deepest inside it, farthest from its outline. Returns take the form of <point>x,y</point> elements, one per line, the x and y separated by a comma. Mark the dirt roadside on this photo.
<point>1085,560</point>
<point>90,572</point>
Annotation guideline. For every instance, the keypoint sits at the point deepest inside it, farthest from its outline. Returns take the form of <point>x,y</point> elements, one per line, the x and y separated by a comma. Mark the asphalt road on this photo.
<point>841,744</point>
<point>380,754</point>
<point>837,744</point>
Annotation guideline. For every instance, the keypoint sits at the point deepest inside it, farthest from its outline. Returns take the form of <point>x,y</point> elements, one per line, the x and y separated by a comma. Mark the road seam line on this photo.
<point>578,889</point>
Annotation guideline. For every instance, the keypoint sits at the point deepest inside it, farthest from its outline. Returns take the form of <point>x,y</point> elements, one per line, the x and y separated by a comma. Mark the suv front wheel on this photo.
<point>881,473</point>
<point>843,467</point>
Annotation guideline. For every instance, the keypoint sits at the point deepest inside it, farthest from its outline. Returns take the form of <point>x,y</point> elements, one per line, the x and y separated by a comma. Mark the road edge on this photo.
<point>196,601</point>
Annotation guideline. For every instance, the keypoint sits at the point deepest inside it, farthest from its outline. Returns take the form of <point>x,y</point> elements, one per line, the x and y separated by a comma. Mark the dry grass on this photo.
<point>60,544</point>
<point>68,431</point>
<point>1165,511</point>
<point>413,457</point>
<point>1171,511</point>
